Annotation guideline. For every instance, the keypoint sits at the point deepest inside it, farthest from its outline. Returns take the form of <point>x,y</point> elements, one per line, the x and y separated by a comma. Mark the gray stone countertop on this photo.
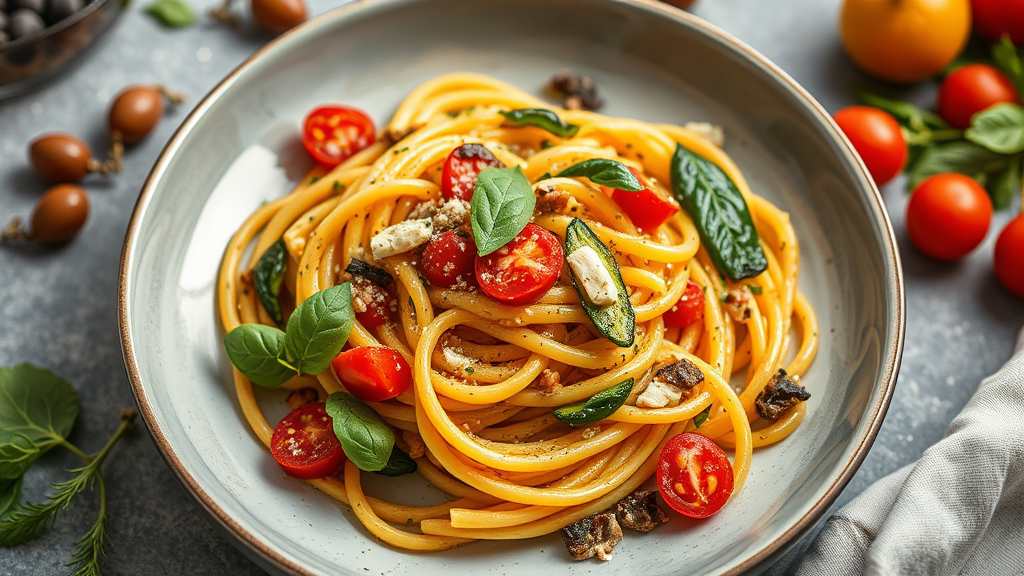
<point>58,305</point>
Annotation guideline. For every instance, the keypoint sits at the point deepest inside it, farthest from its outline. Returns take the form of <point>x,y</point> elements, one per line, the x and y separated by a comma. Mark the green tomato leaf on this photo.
<point>605,172</point>
<point>720,214</point>
<point>961,157</point>
<point>37,410</point>
<point>10,491</point>
<point>541,118</point>
<point>701,418</point>
<point>501,207</point>
<point>1005,185</point>
<point>172,13</point>
<point>399,464</point>
<point>366,439</point>
<point>319,328</point>
<point>597,407</point>
<point>905,112</point>
<point>258,352</point>
<point>1007,59</point>
<point>999,128</point>
<point>267,277</point>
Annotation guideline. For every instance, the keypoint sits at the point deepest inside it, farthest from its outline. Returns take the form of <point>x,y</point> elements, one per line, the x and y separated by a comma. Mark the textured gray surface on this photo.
<point>58,306</point>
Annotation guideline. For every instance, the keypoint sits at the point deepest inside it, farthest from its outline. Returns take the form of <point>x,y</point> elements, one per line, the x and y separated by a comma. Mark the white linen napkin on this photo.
<point>959,510</point>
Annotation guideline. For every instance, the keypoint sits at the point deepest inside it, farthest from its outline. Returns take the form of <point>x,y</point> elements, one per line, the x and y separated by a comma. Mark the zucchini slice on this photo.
<point>597,407</point>
<point>616,321</point>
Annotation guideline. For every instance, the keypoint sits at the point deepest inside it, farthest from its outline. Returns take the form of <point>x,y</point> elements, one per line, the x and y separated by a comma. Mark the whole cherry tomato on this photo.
<point>948,216</point>
<point>373,373</point>
<point>971,89</point>
<point>449,259</point>
<point>877,138</point>
<point>1009,256</point>
<point>694,476</point>
<point>689,309</point>
<point>304,443</point>
<point>523,270</point>
<point>647,209</point>
<point>993,18</point>
<point>464,164</point>
<point>332,134</point>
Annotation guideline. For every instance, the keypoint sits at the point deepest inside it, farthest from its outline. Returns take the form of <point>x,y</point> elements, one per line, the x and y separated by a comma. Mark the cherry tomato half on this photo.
<point>971,89</point>
<point>523,270</point>
<point>993,18</point>
<point>373,373</point>
<point>378,309</point>
<point>948,216</point>
<point>689,309</point>
<point>694,476</point>
<point>449,259</point>
<point>332,134</point>
<point>646,208</point>
<point>877,138</point>
<point>1009,256</point>
<point>464,164</point>
<point>304,443</point>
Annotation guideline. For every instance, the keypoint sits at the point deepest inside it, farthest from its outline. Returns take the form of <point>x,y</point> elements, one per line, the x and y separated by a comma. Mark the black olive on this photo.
<point>61,9</point>
<point>24,23</point>
<point>37,6</point>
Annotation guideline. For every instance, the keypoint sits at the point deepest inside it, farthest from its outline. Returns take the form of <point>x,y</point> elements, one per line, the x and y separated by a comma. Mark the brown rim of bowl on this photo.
<point>876,412</point>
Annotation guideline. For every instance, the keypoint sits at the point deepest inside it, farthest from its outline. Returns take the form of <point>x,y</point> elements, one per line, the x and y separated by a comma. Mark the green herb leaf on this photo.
<point>319,328</point>
<point>37,410</point>
<point>267,277</point>
<point>720,214</point>
<point>172,13</point>
<point>905,112</point>
<point>701,418</point>
<point>1005,185</point>
<point>605,172</point>
<point>89,548</point>
<point>999,128</point>
<point>755,289</point>
<point>26,521</point>
<point>541,118</point>
<point>399,464</point>
<point>544,176</point>
<point>598,407</point>
<point>501,207</point>
<point>258,352</point>
<point>1007,59</point>
<point>10,491</point>
<point>961,157</point>
<point>366,439</point>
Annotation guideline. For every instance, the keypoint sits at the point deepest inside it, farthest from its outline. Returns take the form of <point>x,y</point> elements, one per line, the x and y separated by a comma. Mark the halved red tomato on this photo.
<point>304,443</point>
<point>694,476</point>
<point>332,134</point>
<point>464,164</point>
<point>523,270</point>
<point>646,208</point>
<point>689,309</point>
<point>373,373</point>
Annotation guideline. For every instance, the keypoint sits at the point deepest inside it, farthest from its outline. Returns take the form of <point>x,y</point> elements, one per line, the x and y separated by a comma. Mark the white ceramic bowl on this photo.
<point>650,62</point>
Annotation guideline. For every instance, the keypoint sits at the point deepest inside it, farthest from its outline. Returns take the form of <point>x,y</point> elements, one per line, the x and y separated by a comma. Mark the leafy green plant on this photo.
<point>541,118</point>
<point>368,442</point>
<point>502,205</point>
<point>605,172</point>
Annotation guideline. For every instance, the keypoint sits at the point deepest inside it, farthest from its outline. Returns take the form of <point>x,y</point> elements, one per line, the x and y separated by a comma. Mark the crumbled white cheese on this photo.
<point>659,394</point>
<point>592,276</point>
<point>401,237</point>
<point>711,132</point>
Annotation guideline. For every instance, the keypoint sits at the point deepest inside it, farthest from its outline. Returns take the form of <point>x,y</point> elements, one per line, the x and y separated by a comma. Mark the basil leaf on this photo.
<point>10,491</point>
<point>267,277</point>
<point>319,328</point>
<point>1006,58</point>
<point>905,112</point>
<point>399,464</point>
<point>501,207</point>
<point>366,439</point>
<point>597,407</point>
<point>172,13</point>
<point>541,118</point>
<point>605,172</point>
<point>258,352</point>
<point>720,214</point>
<point>1005,185</point>
<point>999,128</point>
<point>37,410</point>
<point>961,157</point>
<point>701,418</point>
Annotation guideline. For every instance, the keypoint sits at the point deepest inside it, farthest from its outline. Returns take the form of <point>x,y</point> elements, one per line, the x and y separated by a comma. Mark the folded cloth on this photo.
<point>959,510</point>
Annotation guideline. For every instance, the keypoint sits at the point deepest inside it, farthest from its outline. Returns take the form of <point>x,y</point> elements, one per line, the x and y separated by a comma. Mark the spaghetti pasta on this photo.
<point>487,376</point>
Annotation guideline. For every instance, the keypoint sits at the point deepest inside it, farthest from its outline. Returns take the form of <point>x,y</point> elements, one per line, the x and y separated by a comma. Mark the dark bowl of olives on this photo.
<point>40,37</point>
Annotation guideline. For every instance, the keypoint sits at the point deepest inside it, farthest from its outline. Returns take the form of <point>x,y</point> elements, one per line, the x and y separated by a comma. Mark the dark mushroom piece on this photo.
<point>592,536</point>
<point>579,92</point>
<point>682,374</point>
<point>640,511</point>
<point>781,394</point>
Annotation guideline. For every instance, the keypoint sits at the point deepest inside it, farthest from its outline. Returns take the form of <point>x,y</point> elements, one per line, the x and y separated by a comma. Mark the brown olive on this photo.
<point>135,112</point>
<point>279,15</point>
<point>59,157</point>
<point>59,214</point>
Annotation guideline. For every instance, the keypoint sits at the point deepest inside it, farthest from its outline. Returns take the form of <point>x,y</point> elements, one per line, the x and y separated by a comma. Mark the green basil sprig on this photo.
<point>1006,57</point>
<point>267,277</point>
<point>543,119</point>
<point>720,213</point>
<point>905,112</point>
<point>999,173</point>
<point>172,13</point>
<point>597,407</point>
<point>999,128</point>
<point>37,413</point>
<point>315,334</point>
<point>605,172</point>
<point>368,442</point>
<point>501,207</point>
<point>701,418</point>
<point>399,464</point>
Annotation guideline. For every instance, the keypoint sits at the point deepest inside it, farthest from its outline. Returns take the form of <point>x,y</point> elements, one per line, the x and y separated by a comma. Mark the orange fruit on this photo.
<point>904,40</point>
